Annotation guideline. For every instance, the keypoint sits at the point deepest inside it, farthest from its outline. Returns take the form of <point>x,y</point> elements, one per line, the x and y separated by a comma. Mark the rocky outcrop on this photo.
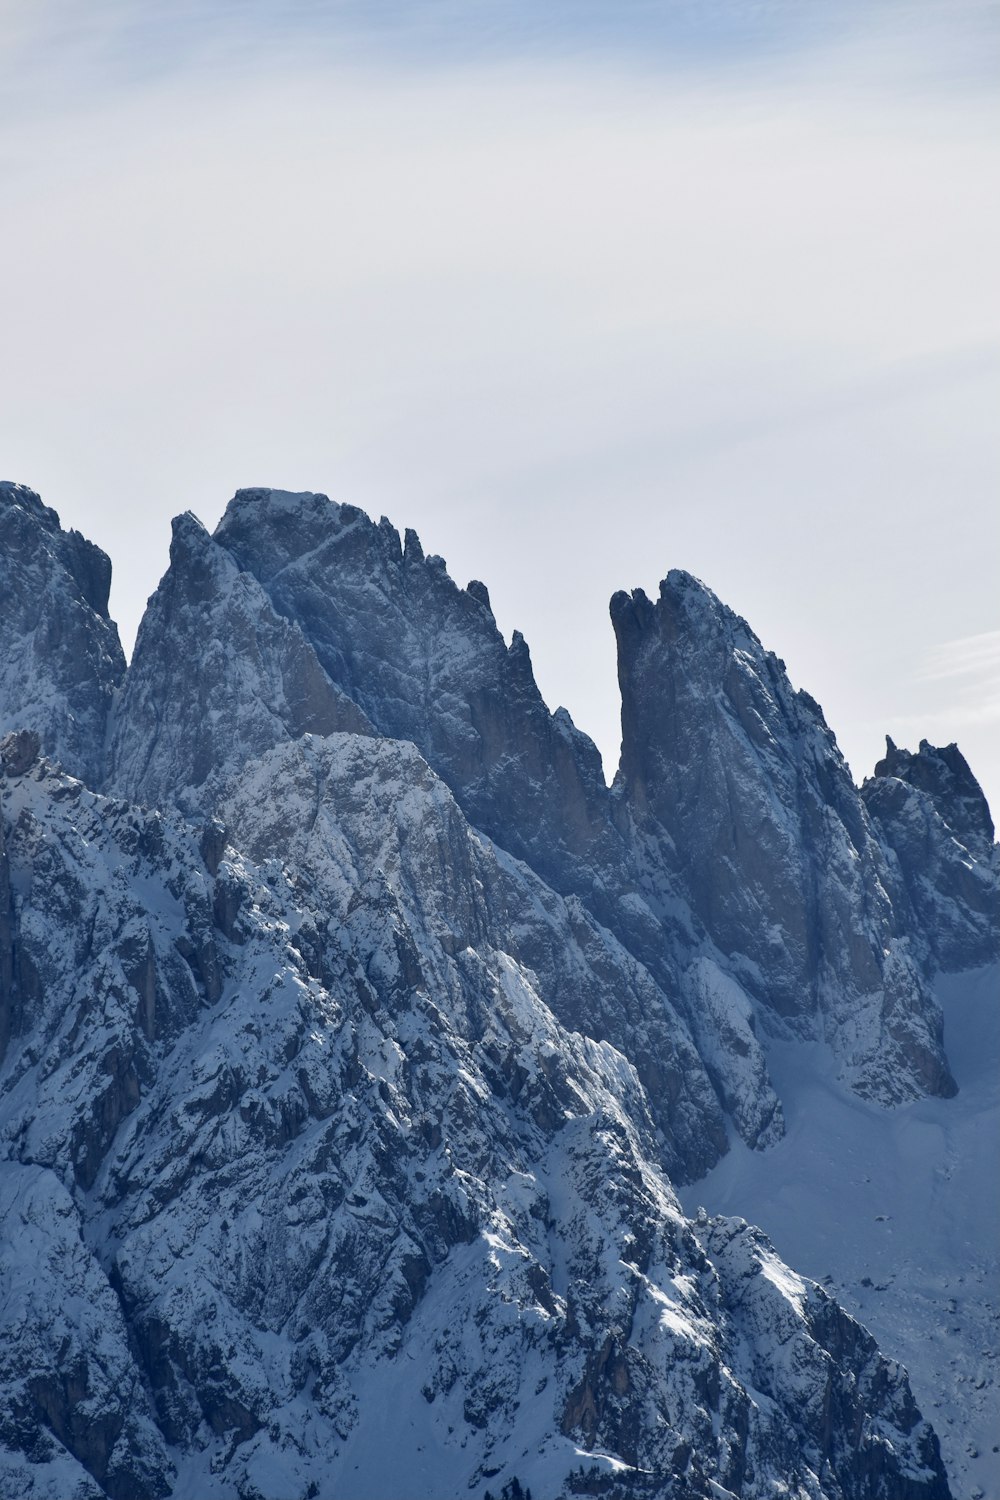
<point>943,775</point>
<point>62,659</point>
<point>75,1418</point>
<point>737,783</point>
<point>110,932</point>
<point>932,814</point>
<point>303,616</point>
<point>314,801</point>
<point>425,661</point>
<point>8,1014</point>
<point>217,678</point>
<point>735,834</point>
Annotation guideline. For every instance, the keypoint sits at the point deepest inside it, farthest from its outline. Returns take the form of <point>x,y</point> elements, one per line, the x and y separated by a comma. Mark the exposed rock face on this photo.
<point>314,802</point>
<point>943,775</point>
<point>932,814</point>
<point>390,639</point>
<point>737,782</point>
<point>218,678</point>
<point>75,1418</point>
<point>62,656</point>
<point>19,751</point>
<point>426,662</point>
<point>259,635</point>
<point>8,999</point>
<point>288,1179</point>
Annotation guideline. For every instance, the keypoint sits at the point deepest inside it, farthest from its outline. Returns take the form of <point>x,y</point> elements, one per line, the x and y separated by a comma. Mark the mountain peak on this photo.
<point>217,677</point>
<point>944,775</point>
<point>930,811</point>
<point>28,499</point>
<point>63,658</point>
<point>263,504</point>
<point>739,780</point>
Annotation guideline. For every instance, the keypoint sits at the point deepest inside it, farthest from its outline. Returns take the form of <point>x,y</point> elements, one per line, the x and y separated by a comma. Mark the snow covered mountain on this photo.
<point>354,1036</point>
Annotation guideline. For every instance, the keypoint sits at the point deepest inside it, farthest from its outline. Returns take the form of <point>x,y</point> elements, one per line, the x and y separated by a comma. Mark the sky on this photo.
<point>581,291</point>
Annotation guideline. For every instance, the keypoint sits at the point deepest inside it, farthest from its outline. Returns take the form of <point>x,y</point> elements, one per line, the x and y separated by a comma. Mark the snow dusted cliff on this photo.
<point>353,1034</point>
<point>62,657</point>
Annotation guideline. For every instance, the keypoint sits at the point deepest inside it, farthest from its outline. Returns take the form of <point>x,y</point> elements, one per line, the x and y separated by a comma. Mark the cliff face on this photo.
<point>62,657</point>
<point>735,861</point>
<point>426,662</point>
<point>944,778</point>
<point>218,678</point>
<point>352,1032</point>
<point>736,781</point>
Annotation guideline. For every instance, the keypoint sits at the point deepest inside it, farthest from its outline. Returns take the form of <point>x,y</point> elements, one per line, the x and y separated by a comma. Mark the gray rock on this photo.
<point>357,1093</point>
<point>8,998</point>
<point>932,815</point>
<point>339,608</point>
<point>19,751</point>
<point>217,677</point>
<point>62,659</point>
<point>942,773</point>
<point>734,834</point>
<point>736,781</point>
<point>426,662</point>
<point>314,801</point>
<point>75,1417</point>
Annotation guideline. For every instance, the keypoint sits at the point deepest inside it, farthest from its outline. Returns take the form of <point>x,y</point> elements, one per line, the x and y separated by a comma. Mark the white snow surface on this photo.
<point>897,1213</point>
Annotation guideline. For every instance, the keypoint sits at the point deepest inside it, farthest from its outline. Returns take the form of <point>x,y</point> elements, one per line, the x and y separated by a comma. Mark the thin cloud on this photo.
<point>945,724</point>
<point>965,677</point>
<point>975,656</point>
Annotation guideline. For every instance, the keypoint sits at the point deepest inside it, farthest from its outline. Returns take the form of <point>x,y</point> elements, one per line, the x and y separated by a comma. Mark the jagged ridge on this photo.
<point>497,1002</point>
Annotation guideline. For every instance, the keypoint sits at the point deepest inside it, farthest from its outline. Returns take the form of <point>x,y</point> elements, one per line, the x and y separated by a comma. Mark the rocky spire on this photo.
<point>300,617</point>
<point>425,661</point>
<point>61,659</point>
<point>942,773</point>
<point>931,812</point>
<point>737,779</point>
<point>216,679</point>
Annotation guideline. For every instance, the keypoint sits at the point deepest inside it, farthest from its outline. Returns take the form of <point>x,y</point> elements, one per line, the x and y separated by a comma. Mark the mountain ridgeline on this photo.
<point>353,1032</point>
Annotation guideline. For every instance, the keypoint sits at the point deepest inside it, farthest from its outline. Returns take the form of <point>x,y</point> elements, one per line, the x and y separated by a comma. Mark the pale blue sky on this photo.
<point>583,299</point>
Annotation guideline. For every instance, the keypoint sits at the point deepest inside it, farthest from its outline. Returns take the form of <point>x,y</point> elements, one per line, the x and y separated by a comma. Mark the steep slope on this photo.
<point>298,1176</point>
<point>944,777</point>
<point>218,678</point>
<point>919,1264</point>
<point>314,801</point>
<point>62,657</point>
<point>425,661</point>
<point>734,782</point>
<point>736,861</point>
